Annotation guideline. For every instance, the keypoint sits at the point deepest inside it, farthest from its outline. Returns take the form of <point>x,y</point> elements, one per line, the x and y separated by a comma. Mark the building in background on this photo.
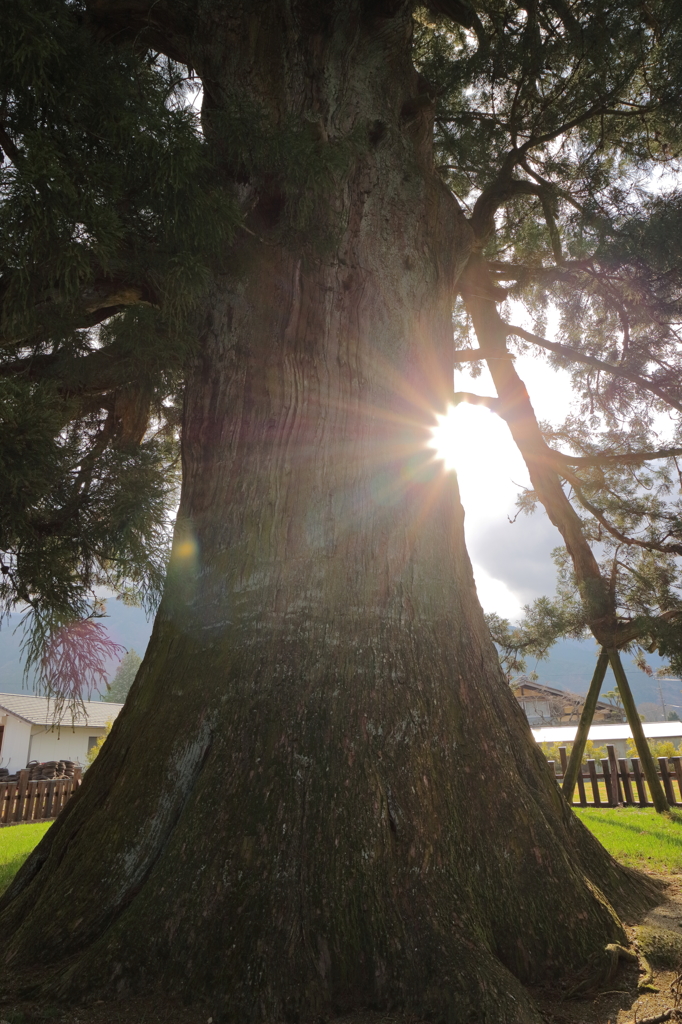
<point>544,705</point>
<point>618,735</point>
<point>27,732</point>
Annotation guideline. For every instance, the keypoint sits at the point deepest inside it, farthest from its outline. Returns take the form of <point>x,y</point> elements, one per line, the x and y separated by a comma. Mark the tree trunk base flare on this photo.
<point>321,794</point>
<point>318,847</point>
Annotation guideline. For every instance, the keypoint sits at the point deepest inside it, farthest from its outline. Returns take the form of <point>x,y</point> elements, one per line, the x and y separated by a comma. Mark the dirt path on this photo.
<point>620,1004</point>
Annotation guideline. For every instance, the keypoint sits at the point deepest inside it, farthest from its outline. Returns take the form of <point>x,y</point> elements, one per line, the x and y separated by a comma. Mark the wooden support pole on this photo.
<point>645,756</point>
<point>576,759</point>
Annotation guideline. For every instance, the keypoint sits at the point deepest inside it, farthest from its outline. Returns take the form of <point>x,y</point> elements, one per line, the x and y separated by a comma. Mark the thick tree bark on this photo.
<point>321,794</point>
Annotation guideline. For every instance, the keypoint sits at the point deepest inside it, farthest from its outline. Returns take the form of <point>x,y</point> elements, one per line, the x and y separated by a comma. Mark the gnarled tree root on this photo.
<point>601,969</point>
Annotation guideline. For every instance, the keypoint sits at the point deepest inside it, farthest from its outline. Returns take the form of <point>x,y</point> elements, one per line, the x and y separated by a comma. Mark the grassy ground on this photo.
<point>16,842</point>
<point>638,836</point>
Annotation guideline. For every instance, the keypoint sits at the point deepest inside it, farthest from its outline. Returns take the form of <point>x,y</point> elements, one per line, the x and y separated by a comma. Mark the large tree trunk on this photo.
<point>321,794</point>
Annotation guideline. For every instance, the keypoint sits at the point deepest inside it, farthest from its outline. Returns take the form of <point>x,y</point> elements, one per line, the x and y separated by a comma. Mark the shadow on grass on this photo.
<point>9,870</point>
<point>638,830</point>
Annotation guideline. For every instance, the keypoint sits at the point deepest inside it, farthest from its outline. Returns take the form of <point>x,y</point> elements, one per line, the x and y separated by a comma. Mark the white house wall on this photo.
<point>15,743</point>
<point>70,743</point>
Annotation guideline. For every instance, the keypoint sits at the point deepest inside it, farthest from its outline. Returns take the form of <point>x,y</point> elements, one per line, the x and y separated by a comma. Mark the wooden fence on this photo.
<point>618,784</point>
<point>35,801</point>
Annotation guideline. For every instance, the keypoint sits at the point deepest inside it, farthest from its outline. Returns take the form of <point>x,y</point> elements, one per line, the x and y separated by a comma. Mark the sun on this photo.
<point>445,437</point>
<point>478,446</point>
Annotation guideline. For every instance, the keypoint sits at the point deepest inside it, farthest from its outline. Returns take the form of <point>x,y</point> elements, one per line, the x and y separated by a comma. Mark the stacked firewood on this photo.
<point>50,770</point>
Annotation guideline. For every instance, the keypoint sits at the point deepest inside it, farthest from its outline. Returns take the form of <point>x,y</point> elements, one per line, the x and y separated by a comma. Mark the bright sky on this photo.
<point>477,445</point>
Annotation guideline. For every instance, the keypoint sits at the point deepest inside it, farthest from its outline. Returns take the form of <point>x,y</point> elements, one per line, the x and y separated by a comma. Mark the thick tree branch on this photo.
<point>462,14</point>
<point>515,408</point>
<point>162,25</point>
<point>9,146</point>
<point>617,459</point>
<point>470,355</point>
<point>576,355</point>
<point>496,194</point>
<point>471,399</point>
<point>96,303</point>
<point>105,369</point>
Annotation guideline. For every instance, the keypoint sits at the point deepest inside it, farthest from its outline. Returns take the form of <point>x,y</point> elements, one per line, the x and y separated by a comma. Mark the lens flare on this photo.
<point>446,437</point>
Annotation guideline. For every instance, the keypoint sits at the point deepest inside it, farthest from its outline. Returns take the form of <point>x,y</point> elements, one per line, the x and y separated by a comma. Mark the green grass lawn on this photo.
<point>16,842</point>
<point>637,836</point>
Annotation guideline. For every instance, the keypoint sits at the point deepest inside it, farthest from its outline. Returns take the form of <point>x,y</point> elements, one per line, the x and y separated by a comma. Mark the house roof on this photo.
<point>40,711</point>
<point>608,733</point>
<point>566,706</point>
<point>527,688</point>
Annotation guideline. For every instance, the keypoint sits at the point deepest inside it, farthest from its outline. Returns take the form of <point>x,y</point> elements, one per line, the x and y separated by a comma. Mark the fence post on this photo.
<point>625,776</point>
<point>22,787</point>
<point>564,760</point>
<point>608,784</point>
<point>639,782</point>
<point>613,764</point>
<point>667,781</point>
<point>677,762</point>
<point>592,769</point>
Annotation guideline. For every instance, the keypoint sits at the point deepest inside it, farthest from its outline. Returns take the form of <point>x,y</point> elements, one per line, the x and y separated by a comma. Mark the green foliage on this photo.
<point>111,213</point>
<point>108,185</point>
<point>592,750</point>
<point>96,747</point>
<point>544,622</point>
<point>661,748</point>
<point>118,689</point>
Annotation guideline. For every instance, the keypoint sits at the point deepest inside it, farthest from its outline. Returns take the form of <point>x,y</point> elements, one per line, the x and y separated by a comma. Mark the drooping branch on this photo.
<point>576,355</point>
<point>647,545</point>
